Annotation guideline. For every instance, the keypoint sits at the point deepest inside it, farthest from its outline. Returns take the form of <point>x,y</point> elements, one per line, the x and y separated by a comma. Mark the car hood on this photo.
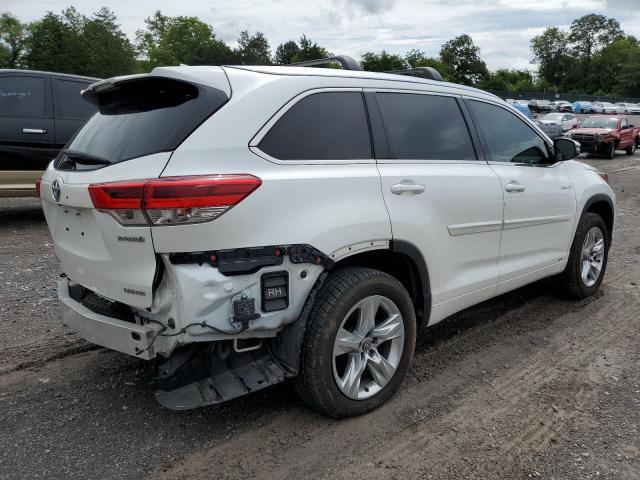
<point>591,130</point>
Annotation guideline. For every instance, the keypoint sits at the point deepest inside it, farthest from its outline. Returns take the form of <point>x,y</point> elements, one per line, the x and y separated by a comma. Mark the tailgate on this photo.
<point>140,120</point>
<point>115,261</point>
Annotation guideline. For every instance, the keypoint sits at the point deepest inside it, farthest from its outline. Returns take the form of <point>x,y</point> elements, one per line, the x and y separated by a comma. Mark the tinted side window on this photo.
<point>426,127</point>
<point>21,96</point>
<point>67,100</point>
<point>321,126</point>
<point>508,138</point>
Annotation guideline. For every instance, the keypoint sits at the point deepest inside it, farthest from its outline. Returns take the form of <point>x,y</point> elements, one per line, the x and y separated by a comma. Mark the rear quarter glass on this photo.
<point>142,117</point>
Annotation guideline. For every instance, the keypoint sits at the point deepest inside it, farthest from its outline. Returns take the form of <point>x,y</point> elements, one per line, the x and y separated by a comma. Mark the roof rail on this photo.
<point>347,62</point>
<point>428,72</point>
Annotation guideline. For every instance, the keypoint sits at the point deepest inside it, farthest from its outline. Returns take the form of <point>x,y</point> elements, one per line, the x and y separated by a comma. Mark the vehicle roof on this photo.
<point>359,74</point>
<point>40,72</point>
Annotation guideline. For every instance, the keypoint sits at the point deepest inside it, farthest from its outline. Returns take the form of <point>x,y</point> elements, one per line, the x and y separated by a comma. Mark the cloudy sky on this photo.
<point>502,28</point>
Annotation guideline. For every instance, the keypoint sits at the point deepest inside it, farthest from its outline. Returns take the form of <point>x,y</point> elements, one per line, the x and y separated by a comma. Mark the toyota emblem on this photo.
<point>56,190</point>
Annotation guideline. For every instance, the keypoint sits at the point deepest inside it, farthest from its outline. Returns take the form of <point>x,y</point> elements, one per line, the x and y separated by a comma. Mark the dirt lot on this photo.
<point>526,385</point>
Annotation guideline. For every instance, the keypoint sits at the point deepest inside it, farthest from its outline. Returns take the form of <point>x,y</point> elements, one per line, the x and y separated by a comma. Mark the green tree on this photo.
<point>308,50</point>
<point>54,43</point>
<point>382,62</point>
<point>551,53</point>
<point>511,80</point>
<point>176,40</point>
<point>111,52</point>
<point>417,58</point>
<point>285,52</point>
<point>588,35</point>
<point>253,49</point>
<point>609,66</point>
<point>12,39</point>
<point>463,59</point>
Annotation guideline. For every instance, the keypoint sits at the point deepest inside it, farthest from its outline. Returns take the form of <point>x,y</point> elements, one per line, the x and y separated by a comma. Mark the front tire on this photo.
<point>611,151</point>
<point>359,343</point>
<point>587,259</point>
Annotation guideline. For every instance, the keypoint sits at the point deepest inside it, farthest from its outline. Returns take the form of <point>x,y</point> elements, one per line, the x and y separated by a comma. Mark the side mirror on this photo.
<point>565,149</point>
<point>632,126</point>
<point>624,127</point>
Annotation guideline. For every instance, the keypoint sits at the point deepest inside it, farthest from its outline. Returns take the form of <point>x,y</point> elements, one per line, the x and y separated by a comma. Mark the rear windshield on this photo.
<point>138,118</point>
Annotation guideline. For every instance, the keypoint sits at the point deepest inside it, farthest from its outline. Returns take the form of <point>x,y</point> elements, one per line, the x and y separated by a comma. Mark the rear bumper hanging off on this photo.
<point>122,336</point>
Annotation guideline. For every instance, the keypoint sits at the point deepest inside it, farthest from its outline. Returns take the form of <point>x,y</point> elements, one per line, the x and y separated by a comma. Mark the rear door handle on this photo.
<point>400,188</point>
<point>514,187</point>
<point>34,130</point>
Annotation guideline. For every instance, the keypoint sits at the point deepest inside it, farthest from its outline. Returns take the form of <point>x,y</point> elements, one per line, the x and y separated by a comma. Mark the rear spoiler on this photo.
<point>210,76</point>
<point>92,93</point>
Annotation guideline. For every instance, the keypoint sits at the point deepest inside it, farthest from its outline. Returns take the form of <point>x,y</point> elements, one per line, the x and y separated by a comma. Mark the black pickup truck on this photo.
<point>39,112</point>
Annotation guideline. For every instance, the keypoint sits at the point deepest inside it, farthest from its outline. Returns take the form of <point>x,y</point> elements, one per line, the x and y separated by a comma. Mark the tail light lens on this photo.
<point>604,176</point>
<point>172,200</point>
<point>38,181</point>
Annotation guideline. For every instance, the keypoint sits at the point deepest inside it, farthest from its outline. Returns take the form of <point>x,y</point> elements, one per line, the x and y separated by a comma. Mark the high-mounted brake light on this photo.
<point>172,200</point>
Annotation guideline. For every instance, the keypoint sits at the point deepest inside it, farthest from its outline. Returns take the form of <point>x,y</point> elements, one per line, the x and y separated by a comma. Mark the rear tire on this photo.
<point>352,362</point>
<point>587,259</point>
<point>632,149</point>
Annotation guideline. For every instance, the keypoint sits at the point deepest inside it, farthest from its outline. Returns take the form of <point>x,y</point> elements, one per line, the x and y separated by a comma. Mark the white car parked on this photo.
<point>566,121</point>
<point>258,223</point>
<point>628,108</point>
<point>606,108</point>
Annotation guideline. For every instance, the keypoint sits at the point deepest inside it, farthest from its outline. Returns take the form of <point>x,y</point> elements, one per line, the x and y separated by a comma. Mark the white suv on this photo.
<point>258,223</point>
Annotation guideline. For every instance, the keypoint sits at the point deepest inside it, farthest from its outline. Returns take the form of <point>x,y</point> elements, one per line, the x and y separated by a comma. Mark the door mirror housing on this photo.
<point>565,149</point>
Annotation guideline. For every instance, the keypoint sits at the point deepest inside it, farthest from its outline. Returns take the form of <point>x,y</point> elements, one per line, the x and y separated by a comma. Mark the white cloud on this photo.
<point>501,28</point>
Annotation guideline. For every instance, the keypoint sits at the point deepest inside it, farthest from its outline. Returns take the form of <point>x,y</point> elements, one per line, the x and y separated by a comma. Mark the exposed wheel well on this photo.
<point>604,210</point>
<point>398,265</point>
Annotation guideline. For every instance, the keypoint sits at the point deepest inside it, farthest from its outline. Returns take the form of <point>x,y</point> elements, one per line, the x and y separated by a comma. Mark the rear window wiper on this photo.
<point>83,158</point>
<point>68,159</point>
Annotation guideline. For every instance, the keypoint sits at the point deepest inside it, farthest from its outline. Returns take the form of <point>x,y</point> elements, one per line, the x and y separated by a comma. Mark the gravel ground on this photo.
<point>526,385</point>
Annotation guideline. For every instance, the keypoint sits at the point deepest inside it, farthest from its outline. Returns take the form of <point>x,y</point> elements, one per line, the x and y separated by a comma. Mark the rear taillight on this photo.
<point>38,181</point>
<point>604,176</point>
<point>172,200</point>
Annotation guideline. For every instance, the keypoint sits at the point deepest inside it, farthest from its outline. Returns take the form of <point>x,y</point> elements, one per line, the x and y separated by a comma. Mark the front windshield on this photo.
<point>553,116</point>
<point>599,122</point>
<point>607,104</point>
<point>543,102</point>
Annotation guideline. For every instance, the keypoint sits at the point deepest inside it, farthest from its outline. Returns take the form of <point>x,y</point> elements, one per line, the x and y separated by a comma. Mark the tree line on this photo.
<point>593,56</point>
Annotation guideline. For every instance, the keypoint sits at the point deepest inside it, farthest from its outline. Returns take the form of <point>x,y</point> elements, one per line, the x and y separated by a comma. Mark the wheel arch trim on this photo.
<point>413,252</point>
<point>597,198</point>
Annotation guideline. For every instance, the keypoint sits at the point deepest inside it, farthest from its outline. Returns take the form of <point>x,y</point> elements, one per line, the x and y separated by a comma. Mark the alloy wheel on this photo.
<point>368,347</point>
<point>592,257</point>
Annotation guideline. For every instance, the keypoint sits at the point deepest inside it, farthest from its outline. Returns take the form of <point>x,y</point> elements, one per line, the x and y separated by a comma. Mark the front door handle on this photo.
<point>34,130</point>
<point>514,187</point>
<point>400,188</point>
